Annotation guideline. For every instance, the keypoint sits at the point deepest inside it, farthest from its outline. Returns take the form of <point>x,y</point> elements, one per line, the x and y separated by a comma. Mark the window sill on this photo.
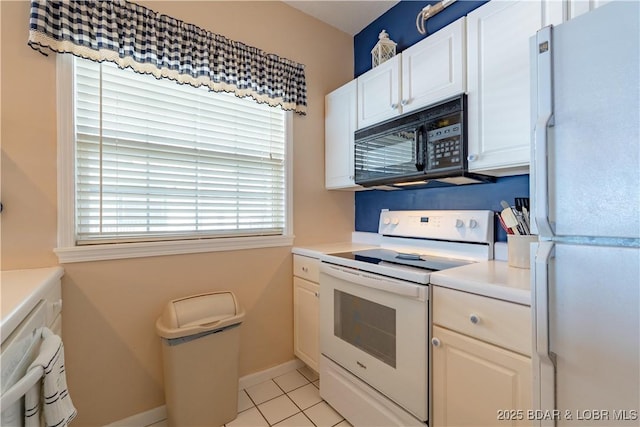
<point>147,249</point>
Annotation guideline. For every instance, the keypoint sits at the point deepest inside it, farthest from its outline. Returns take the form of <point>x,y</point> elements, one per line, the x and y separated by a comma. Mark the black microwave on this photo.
<point>426,145</point>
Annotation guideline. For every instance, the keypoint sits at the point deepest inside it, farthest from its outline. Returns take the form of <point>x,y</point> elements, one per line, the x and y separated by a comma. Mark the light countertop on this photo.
<point>20,292</point>
<point>493,279</point>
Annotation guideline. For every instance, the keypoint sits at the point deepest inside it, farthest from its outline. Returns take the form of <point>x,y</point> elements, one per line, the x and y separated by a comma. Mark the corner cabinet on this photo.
<point>339,126</point>
<point>498,82</point>
<point>306,310</point>
<point>481,360</point>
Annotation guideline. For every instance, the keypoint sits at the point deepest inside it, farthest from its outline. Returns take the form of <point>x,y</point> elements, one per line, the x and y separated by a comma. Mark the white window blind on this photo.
<point>156,160</point>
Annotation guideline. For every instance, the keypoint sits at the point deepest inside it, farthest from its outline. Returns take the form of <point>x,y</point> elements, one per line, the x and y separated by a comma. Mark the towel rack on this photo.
<point>29,379</point>
<point>21,387</point>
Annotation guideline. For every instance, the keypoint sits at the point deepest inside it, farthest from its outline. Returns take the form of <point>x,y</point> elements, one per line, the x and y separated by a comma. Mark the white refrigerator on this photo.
<point>585,187</point>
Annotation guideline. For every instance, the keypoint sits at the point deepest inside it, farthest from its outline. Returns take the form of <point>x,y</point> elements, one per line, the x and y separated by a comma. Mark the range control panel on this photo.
<point>465,225</point>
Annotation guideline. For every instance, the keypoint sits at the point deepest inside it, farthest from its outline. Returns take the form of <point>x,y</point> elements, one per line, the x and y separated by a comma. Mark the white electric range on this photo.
<point>374,313</point>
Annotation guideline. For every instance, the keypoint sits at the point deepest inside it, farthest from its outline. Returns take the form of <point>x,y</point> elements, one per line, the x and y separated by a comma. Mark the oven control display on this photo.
<point>430,221</point>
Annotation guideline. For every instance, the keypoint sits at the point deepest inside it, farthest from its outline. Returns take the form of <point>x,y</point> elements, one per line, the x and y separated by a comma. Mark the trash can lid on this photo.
<point>199,313</point>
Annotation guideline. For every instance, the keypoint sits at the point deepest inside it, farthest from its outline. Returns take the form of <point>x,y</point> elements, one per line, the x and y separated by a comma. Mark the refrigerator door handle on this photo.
<point>544,72</point>
<point>543,358</point>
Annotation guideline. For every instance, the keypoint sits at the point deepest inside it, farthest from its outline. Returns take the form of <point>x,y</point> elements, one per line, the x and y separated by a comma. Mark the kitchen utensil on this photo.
<point>510,219</point>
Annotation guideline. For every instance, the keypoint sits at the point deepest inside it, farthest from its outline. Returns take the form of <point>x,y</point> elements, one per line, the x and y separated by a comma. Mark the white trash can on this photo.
<point>200,344</point>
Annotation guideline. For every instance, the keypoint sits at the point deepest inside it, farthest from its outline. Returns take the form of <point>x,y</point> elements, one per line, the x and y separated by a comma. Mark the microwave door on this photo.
<point>395,156</point>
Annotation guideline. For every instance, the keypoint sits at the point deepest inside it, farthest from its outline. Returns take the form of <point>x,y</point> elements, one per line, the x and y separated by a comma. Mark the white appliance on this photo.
<point>374,313</point>
<point>585,184</point>
<point>31,300</point>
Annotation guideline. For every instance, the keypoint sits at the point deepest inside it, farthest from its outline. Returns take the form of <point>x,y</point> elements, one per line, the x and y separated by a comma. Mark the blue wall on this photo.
<point>474,196</point>
<point>399,22</point>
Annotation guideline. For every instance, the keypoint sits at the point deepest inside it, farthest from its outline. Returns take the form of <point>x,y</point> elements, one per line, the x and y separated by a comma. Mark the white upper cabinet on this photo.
<point>379,93</point>
<point>429,71</point>
<point>498,85</point>
<point>339,127</point>
<point>435,68</point>
<point>578,7</point>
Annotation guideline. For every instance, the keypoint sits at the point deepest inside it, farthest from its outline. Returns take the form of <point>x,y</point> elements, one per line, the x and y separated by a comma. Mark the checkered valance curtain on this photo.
<point>133,36</point>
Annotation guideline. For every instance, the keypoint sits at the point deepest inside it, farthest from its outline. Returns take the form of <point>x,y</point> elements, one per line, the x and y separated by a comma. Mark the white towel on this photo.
<point>49,405</point>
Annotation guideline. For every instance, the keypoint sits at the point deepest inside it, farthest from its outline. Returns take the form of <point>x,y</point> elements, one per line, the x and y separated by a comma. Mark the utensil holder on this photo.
<point>519,249</point>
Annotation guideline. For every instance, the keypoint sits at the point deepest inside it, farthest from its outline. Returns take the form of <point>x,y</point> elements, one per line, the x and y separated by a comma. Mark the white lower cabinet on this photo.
<point>480,376</point>
<point>306,310</point>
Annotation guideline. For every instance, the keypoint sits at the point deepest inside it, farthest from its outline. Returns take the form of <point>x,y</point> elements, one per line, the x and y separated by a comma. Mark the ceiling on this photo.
<point>348,16</point>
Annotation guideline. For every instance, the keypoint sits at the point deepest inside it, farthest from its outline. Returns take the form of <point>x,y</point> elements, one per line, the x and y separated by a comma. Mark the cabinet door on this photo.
<point>435,68</point>
<point>379,93</point>
<point>474,381</point>
<point>499,92</point>
<point>340,123</point>
<point>306,321</point>
<point>578,7</point>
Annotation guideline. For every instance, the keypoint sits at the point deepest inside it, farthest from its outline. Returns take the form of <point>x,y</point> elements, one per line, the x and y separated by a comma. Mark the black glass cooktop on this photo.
<point>385,256</point>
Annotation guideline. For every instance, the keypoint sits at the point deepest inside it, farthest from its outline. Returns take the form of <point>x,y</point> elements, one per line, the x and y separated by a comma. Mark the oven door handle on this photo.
<point>381,283</point>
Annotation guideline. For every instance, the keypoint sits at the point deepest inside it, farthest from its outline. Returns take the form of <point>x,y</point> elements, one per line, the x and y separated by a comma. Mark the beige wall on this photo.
<point>114,367</point>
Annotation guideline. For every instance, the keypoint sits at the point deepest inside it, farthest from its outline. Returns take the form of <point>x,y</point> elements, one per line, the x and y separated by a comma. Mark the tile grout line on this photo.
<point>300,410</point>
<point>285,393</point>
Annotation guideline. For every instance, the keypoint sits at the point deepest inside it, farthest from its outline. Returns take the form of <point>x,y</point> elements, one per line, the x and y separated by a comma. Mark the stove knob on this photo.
<point>459,223</point>
<point>395,221</point>
<point>386,221</point>
<point>473,223</point>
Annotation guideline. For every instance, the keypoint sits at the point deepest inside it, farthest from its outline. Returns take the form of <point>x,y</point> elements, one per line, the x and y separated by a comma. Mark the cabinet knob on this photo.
<point>305,269</point>
<point>472,157</point>
<point>317,294</point>
<point>394,106</point>
<point>474,318</point>
<point>405,101</point>
<point>435,341</point>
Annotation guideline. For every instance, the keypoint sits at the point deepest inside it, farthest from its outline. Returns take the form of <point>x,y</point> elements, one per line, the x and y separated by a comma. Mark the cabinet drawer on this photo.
<point>306,267</point>
<point>502,323</point>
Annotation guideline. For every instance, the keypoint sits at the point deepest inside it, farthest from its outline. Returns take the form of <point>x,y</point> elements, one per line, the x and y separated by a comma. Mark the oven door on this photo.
<point>377,328</point>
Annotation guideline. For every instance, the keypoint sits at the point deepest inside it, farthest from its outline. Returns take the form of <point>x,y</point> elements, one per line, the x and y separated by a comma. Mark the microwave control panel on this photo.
<point>444,147</point>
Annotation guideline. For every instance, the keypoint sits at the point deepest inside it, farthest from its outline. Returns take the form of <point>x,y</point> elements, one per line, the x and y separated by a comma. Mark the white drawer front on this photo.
<point>306,267</point>
<point>498,322</point>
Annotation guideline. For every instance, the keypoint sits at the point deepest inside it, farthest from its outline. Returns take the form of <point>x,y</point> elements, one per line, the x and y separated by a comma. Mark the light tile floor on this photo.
<point>289,400</point>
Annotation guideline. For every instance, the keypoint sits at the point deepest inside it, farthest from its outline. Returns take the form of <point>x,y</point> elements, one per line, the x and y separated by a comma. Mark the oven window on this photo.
<point>369,326</point>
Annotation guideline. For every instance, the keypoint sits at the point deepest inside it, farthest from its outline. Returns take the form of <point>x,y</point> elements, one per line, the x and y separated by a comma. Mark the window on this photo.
<point>156,161</point>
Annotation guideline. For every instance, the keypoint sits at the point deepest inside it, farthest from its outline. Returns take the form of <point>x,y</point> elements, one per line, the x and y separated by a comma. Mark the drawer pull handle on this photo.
<point>474,319</point>
<point>305,269</point>
<point>435,342</point>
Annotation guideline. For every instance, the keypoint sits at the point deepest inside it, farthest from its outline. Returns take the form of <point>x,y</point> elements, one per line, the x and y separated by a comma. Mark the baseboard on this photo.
<point>267,374</point>
<point>142,419</point>
<point>158,414</point>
